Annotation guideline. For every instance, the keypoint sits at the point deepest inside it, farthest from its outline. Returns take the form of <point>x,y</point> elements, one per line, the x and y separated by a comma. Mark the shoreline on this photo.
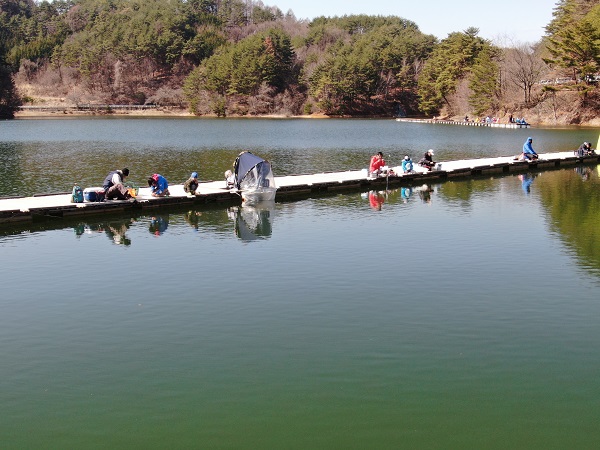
<point>58,112</point>
<point>72,111</point>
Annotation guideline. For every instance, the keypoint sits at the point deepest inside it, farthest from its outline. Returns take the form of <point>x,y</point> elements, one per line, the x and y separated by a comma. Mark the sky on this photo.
<point>504,21</point>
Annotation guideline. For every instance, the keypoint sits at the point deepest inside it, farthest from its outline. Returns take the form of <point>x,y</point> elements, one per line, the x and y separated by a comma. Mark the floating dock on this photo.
<point>469,123</point>
<point>39,207</point>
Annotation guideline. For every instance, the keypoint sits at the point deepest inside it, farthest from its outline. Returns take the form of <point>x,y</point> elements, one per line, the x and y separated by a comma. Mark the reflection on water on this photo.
<point>253,221</point>
<point>569,195</point>
<point>425,192</point>
<point>403,195</point>
<point>406,193</point>
<point>158,224</point>
<point>383,319</point>
<point>583,171</point>
<point>526,181</point>
<point>249,223</point>
<point>571,199</point>
<point>406,327</point>
<point>115,230</point>
<point>192,217</point>
<point>376,200</point>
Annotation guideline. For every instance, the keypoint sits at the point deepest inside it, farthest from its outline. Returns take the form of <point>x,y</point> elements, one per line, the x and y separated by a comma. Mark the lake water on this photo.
<point>457,315</point>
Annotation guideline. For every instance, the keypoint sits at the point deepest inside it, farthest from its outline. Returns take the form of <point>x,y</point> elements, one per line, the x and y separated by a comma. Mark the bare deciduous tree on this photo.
<point>524,67</point>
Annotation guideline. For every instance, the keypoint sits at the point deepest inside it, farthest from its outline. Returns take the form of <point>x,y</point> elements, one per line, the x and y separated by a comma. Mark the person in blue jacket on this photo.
<point>407,165</point>
<point>159,185</point>
<point>528,151</point>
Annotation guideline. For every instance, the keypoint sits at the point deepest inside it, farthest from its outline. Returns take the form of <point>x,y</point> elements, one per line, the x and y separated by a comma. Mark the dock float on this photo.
<point>56,206</point>
<point>469,124</point>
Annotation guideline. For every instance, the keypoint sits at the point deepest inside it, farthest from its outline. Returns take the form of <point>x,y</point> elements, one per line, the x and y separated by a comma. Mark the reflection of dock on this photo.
<point>468,124</point>
<point>22,209</point>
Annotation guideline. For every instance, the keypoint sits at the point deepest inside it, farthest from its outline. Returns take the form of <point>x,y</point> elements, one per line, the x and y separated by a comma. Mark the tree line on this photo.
<point>239,57</point>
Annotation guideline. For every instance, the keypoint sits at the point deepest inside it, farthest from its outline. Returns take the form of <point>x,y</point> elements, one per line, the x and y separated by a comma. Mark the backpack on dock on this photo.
<point>77,194</point>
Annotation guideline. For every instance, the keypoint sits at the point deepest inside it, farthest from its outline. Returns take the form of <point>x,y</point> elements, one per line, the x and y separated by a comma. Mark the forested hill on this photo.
<point>241,57</point>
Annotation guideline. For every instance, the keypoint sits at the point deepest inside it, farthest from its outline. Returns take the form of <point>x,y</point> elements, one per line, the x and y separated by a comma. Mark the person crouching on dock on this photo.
<point>191,185</point>
<point>427,160</point>
<point>376,165</point>
<point>158,185</point>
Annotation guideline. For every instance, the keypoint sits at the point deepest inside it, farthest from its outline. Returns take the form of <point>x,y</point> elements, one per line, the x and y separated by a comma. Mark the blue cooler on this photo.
<point>93,194</point>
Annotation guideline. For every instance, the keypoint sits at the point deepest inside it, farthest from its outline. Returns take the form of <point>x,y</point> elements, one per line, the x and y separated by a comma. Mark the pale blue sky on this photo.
<point>518,21</point>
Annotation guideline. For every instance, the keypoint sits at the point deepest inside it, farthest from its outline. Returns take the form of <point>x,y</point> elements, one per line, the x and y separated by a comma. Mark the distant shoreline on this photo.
<point>108,110</point>
<point>73,111</point>
<point>64,112</point>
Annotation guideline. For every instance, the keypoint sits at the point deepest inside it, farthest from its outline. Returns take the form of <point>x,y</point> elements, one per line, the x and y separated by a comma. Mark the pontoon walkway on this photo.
<point>469,124</point>
<point>19,209</point>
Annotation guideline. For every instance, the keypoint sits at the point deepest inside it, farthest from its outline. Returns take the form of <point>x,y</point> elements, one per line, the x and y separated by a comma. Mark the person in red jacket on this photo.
<point>377,163</point>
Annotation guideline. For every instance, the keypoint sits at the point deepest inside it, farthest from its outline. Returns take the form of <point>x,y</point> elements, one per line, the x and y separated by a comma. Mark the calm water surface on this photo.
<point>459,315</point>
<point>41,156</point>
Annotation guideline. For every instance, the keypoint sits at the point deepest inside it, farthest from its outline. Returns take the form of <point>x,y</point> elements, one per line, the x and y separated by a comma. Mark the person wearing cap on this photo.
<point>427,160</point>
<point>407,165</point>
<point>377,164</point>
<point>114,189</point>
<point>584,149</point>
<point>191,185</point>
<point>159,185</point>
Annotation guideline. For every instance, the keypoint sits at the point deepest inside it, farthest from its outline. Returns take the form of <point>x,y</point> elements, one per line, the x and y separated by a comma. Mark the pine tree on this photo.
<point>484,83</point>
<point>574,38</point>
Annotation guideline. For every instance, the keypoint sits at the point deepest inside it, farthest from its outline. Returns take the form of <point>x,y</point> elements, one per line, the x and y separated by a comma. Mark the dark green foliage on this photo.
<point>241,68</point>
<point>450,62</point>
<point>9,99</point>
<point>574,37</point>
<point>243,57</point>
<point>366,69</point>
<point>11,14</point>
<point>484,83</point>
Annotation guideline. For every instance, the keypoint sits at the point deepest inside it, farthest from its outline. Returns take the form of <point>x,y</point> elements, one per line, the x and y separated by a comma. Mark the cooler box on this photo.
<point>93,194</point>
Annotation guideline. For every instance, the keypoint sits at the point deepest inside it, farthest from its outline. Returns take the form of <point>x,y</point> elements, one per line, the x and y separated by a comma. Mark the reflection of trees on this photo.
<point>460,192</point>
<point>11,175</point>
<point>574,206</point>
<point>204,220</point>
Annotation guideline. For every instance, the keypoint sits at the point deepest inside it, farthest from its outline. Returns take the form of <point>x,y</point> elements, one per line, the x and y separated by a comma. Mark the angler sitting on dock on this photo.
<point>114,187</point>
<point>377,164</point>
<point>585,149</point>
<point>529,153</point>
<point>427,160</point>
<point>407,165</point>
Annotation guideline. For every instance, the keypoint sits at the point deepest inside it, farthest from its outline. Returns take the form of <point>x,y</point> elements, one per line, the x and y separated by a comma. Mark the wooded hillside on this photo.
<point>234,57</point>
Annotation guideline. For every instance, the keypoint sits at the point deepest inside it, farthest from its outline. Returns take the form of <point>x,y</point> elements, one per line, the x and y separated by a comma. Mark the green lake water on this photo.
<point>459,315</point>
